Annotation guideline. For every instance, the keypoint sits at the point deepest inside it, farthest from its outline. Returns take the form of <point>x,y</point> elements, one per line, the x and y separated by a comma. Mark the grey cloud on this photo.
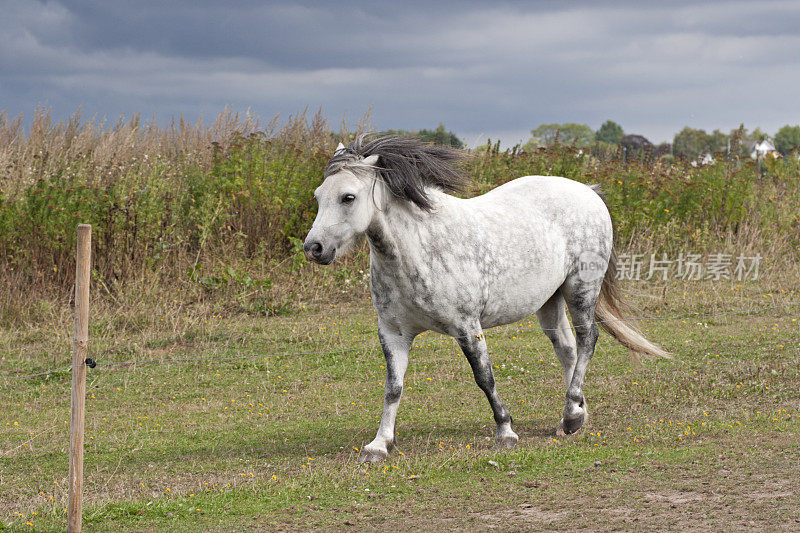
<point>478,67</point>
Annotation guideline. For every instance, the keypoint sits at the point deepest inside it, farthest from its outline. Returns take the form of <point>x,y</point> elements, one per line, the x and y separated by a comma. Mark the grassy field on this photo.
<point>240,441</point>
<point>198,276</point>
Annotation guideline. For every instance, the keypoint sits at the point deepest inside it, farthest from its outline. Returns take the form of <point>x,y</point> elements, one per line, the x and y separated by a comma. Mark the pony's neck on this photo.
<point>400,229</point>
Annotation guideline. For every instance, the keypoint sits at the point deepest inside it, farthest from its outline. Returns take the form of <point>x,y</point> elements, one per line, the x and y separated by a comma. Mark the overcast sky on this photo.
<point>484,69</point>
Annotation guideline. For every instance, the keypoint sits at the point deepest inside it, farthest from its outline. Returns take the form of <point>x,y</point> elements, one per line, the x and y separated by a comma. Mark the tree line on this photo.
<point>689,143</point>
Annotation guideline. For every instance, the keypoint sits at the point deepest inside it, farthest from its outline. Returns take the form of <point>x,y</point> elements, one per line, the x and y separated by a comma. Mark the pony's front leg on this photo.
<point>473,344</point>
<point>395,348</point>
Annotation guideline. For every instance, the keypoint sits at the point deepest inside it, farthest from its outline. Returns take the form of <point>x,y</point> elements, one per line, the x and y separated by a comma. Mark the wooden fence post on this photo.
<point>79,353</point>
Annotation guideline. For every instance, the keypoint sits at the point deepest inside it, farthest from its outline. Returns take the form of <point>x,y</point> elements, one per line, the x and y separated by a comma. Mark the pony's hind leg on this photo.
<point>581,298</point>
<point>553,321</point>
<point>396,346</point>
<point>473,344</point>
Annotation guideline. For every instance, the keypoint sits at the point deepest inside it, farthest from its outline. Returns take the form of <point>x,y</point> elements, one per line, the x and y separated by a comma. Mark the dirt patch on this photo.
<point>527,512</point>
<point>679,497</point>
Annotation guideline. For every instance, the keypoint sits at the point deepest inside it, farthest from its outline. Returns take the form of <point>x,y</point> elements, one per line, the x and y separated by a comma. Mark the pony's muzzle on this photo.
<point>314,251</point>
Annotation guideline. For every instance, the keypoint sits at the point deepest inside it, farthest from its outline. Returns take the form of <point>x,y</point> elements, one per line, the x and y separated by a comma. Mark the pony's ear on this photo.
<point>371,160</point>
<point>338,149</point>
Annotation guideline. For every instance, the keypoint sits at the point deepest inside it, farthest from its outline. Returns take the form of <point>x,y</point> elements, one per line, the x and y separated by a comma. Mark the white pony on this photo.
<point>538,244</point>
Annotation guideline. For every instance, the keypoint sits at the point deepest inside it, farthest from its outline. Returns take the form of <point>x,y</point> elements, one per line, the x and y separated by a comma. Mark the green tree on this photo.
<point>570,133</point>
<point>610,132</point>
<point>441,136</point>
<point>689,143</point>
<point>787,139</point>
<point>438,136</point>
<point>717,142</point>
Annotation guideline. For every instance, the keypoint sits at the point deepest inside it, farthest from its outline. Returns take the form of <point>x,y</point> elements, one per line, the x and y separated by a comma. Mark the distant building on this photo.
<point>706,159</point>
<point>764,149</point>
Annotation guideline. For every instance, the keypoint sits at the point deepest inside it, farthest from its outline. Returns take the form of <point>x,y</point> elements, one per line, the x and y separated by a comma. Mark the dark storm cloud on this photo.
<point>497,68</point>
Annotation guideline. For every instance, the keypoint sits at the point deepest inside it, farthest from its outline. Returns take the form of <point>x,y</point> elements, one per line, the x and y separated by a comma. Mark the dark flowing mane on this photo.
<point>406,164</point>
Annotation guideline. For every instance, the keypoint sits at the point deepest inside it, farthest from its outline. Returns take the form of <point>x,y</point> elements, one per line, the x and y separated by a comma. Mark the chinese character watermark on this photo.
<point>688,266</point>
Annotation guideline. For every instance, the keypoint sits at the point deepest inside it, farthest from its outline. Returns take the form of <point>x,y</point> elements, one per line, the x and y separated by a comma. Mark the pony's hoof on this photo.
<point>568,427</point>
<point>506,442</point>
<point>372,456</point>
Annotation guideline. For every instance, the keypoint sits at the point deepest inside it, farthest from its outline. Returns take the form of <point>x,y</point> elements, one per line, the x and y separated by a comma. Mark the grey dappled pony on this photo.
<point>538,244</point>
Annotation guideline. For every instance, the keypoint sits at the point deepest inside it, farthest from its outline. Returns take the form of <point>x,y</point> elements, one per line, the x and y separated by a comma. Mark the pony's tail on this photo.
<point>608,314</point>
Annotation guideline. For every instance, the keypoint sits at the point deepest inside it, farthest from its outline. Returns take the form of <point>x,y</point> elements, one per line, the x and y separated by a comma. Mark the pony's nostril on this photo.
<point>314,248</point>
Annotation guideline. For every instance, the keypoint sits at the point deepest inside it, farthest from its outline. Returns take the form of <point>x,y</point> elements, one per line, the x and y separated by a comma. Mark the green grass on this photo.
<point>708,440</point>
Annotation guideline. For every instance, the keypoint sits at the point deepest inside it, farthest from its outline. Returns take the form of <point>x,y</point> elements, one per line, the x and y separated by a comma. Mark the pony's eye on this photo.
<point>348,198</point>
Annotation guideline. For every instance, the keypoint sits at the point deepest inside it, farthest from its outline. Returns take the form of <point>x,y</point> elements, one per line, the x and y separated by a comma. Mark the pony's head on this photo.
<point>365,177</point>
